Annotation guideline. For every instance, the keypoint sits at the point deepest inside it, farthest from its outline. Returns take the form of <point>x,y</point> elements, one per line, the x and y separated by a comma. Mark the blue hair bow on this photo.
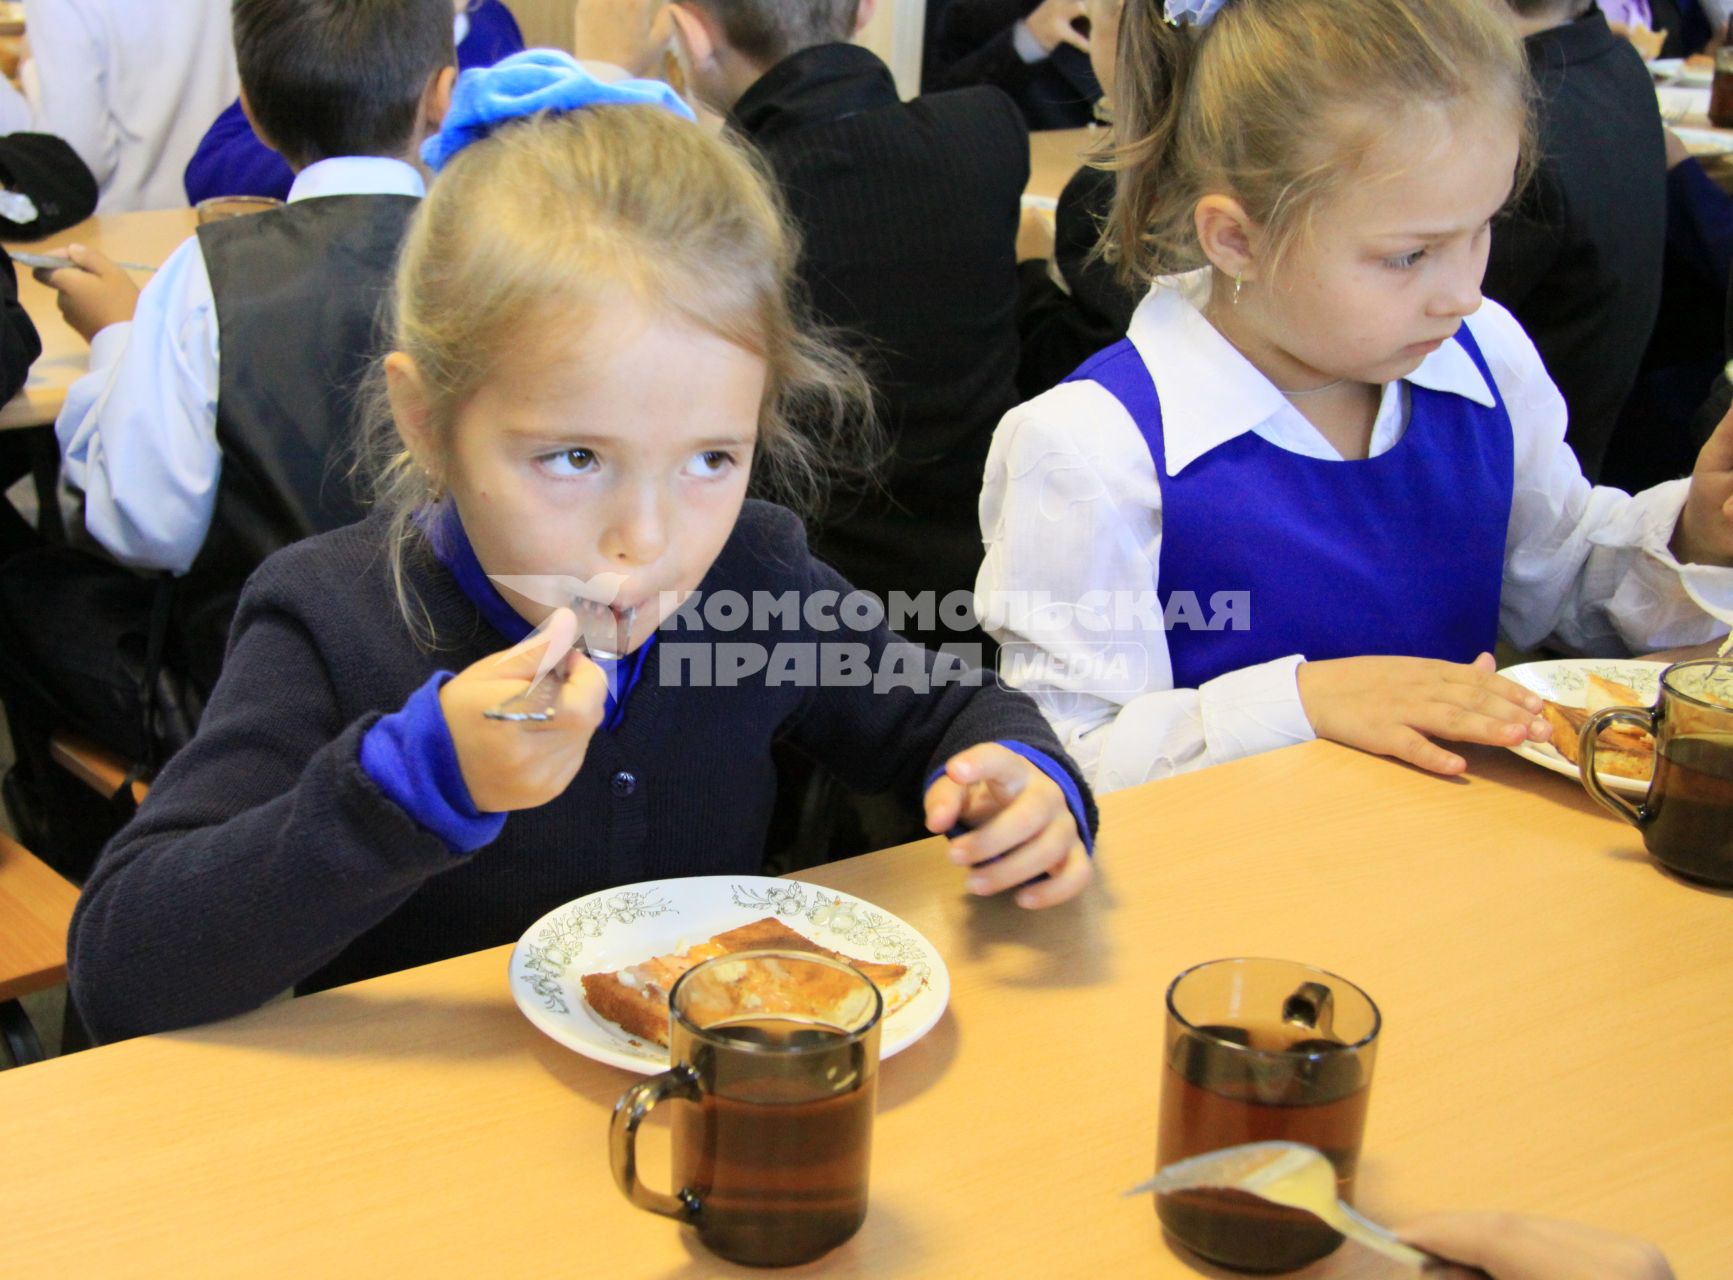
<point>528,82</point>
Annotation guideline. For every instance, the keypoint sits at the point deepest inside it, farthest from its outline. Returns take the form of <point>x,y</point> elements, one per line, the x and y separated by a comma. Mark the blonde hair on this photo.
<point>1278,103</point>
<point>549,220</point>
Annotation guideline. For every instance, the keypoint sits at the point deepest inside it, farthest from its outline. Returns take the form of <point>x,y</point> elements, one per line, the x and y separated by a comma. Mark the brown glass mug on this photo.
<point>773,1115</point>
<point>1262,1050</point>
<point>1687,817</point>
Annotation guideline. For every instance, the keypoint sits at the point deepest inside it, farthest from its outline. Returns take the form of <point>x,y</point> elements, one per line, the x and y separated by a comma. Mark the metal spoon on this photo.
<point>1285,1173</point>
<point>601,635</point>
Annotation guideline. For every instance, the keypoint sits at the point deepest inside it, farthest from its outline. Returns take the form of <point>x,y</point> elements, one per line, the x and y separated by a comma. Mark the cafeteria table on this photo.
<point>146,238</point>
<point>1556,1039</point>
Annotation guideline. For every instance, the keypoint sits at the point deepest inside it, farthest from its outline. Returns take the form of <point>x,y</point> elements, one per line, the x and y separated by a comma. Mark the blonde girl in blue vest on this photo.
<point>1320,476</point>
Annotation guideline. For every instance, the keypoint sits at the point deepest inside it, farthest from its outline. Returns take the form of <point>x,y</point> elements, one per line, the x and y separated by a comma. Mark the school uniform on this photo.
<point>211,430</point>
<point>132,85</point>
<point>908,215</point>
<point>1170,474</point>
<point>986,42</point>
<point>232,161</point>
<point>317,830</point>
<point>1578,258</point>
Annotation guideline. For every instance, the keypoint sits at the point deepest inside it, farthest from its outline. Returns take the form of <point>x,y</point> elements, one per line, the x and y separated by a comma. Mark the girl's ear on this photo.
<point>1227,235</point>
<point>692,29</point>
<point>864,14</point>
<point>410,410</point>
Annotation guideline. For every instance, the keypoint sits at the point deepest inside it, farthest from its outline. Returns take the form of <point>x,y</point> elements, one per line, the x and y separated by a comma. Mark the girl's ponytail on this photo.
<point>1154,69</point>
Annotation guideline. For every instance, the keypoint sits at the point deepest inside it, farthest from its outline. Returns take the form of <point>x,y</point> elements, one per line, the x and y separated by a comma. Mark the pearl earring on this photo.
<point>1239,279</point>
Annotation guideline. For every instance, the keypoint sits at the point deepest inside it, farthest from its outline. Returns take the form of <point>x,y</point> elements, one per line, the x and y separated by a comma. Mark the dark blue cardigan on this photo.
<point>266,858</point>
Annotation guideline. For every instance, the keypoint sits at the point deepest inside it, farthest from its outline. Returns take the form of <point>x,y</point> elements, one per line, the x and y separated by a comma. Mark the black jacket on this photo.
<point>909,214</point>
<point>1578,258</point>
<point>58,183</point>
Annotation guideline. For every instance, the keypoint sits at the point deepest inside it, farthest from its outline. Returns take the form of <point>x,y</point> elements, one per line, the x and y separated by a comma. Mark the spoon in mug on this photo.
<point>1286,1173</point>
<point>602,635</point>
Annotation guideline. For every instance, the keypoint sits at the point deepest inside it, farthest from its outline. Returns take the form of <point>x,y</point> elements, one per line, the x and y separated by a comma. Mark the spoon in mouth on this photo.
<point>603,635</point>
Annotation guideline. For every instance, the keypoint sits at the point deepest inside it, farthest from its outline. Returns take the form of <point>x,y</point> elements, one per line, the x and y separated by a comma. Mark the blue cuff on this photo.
<point>411,758</point>
<point>1060,775</point>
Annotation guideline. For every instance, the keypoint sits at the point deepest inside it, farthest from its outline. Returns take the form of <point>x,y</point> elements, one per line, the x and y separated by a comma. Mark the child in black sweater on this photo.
<point>594,347</point>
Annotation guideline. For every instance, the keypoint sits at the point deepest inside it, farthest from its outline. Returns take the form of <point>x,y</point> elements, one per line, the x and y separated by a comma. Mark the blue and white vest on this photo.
<point>1398,554</point>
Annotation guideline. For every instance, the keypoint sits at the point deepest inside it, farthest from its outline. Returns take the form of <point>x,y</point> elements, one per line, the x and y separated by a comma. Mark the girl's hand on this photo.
<point>1392,706</point>
<point>1704,534</point>
<point>508,765</point>
<point>1515,1247</point>
<point>1020,826</point>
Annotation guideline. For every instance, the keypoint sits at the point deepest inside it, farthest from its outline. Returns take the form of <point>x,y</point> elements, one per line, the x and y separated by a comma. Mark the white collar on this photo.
<point>1211,394</point>
<point>357,176</point>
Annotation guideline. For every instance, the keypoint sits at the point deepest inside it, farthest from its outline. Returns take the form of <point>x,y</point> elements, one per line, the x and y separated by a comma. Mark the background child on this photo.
<point>595,348</point>
<point>1319,458</point>
<point>1577,258</point>
<point>1035,50</point>
<point>211,427</point>
<point>131,84</point>
<point>231,160</point>
<point>908,214</point>
<point>1071,303</point>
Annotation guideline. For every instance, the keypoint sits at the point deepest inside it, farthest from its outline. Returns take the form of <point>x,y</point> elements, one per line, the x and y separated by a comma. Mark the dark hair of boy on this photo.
<point>325,78</point>
<point>767,31</point>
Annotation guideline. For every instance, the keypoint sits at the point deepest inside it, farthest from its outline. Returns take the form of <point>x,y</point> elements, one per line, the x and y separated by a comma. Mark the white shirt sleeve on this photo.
<point>1071,521</point>
<point>138,433</point>
<point>15,113</point>
<point>1587,567</point>
<point>65,82</point>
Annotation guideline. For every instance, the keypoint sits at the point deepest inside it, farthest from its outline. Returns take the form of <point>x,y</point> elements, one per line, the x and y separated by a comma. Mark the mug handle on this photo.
<point>1586,751</point>
<point>629,1112</point>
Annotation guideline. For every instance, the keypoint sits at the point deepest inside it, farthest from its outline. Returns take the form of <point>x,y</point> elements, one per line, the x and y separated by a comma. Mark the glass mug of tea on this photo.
<point>1256,1051</point>
<point>1687,817</point>
<point>772,1111</point>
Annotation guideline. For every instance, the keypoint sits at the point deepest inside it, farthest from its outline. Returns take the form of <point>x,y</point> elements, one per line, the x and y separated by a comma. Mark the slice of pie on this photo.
<point>636,997</point>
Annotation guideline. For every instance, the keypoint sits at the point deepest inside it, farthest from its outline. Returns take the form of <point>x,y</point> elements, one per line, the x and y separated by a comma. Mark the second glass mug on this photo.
<point>1256,1051</point>
<point>1687,816</point>
<point>773,1113</point>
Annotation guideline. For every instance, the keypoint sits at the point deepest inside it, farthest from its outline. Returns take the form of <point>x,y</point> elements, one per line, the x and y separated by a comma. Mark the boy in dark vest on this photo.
<point>212,427</point>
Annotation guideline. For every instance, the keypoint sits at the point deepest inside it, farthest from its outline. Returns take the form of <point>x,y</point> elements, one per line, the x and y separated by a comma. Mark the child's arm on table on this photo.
<point>1072,513</point>
<point>1589,569</point>
<point>983,757</point>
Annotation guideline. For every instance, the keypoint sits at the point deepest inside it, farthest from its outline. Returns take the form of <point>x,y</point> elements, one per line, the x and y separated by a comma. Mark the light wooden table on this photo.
<point>1557,1040</point>
<point>127,237</point>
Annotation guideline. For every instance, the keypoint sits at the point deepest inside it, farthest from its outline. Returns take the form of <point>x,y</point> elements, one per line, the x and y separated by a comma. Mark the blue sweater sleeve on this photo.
<point>1060,775</point>
<point>410,756</point>
<point>231,161</point>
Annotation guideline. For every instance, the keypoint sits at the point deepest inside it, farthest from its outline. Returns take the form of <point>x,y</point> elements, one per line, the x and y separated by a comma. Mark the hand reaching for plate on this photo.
<point>1395,706</point>
<point>1704,534</point>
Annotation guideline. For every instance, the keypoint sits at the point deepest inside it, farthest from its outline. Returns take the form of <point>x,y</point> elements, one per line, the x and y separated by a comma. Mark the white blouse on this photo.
<point>1071,519</point>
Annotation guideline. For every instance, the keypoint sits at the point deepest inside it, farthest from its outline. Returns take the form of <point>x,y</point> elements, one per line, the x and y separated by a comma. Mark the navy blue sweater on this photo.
<point>266,858</point>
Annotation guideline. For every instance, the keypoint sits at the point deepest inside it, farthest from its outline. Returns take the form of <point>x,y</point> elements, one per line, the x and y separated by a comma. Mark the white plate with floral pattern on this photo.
<point>1565,681</point>
<point>628,925</point>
